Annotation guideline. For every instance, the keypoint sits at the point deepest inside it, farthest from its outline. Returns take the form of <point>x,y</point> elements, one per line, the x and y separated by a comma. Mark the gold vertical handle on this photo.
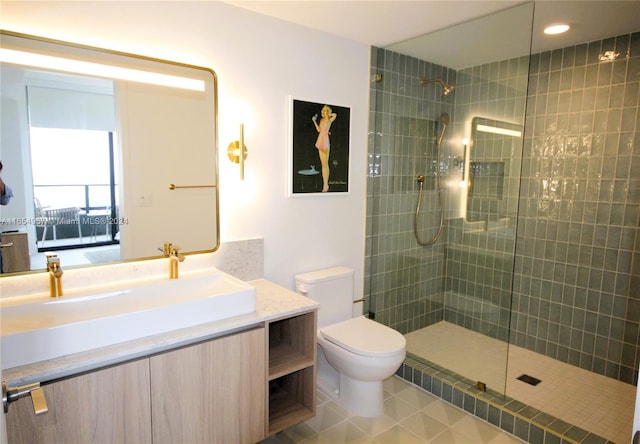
<point>241,151</point>
<point>237,152</point>
<point>39,401</point>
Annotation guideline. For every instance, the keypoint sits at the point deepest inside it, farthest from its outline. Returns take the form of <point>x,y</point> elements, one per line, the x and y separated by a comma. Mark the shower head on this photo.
<point>446,89</point>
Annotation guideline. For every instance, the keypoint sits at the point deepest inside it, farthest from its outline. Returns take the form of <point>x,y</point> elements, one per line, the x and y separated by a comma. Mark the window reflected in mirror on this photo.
<point>90,155</point>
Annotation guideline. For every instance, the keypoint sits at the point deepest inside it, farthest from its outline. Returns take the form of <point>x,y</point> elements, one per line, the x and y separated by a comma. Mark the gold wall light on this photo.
<point>463,166</point>
<point>236,154</point>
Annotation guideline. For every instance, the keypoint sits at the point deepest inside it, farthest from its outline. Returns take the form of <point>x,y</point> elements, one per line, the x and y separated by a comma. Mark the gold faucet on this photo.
<point>55,275</point>
<point>175,257</point>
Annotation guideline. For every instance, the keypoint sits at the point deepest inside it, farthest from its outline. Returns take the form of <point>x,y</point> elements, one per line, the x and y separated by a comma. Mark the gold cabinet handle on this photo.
<point>11,394</point>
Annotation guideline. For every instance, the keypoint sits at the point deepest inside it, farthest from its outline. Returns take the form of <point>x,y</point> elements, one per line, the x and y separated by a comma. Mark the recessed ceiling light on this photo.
<point>556,28</point>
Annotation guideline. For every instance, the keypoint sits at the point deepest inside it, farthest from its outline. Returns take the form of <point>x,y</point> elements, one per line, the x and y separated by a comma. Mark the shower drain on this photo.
<point>529,379</point>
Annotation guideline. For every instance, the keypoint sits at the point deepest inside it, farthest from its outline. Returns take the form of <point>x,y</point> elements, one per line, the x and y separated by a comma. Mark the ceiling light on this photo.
<point>556,28</point>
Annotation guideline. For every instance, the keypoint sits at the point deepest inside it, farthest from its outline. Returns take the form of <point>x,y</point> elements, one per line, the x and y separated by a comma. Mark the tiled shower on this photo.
<point>555,259</point>
<point>577,272</point>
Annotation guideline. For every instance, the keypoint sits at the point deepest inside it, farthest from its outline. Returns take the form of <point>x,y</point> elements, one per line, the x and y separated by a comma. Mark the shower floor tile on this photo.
<point>593,402</point>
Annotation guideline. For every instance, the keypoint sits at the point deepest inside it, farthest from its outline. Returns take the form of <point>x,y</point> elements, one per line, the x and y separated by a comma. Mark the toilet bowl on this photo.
<point>364,353</point>
<point>359,352</point>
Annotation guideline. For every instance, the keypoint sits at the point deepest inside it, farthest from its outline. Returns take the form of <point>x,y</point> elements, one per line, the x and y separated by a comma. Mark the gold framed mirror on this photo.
<point>90,150</point>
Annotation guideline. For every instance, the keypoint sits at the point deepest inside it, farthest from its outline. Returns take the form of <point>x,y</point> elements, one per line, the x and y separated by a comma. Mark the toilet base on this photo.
<point>361,398</point>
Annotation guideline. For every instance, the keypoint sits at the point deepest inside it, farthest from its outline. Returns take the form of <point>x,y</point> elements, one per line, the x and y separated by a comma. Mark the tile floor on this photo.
<point>411,415</point>
<point>593,402</point>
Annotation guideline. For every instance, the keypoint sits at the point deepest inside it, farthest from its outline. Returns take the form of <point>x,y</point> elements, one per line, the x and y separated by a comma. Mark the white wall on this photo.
<point>260,63</point>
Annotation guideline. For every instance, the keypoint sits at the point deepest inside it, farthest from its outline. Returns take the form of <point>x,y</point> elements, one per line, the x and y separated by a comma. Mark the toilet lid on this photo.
<point>365,337</point>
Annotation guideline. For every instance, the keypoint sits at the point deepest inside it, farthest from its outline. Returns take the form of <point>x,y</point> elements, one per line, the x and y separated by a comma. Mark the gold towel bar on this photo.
<point>173,186</point>
<point>358,300</point>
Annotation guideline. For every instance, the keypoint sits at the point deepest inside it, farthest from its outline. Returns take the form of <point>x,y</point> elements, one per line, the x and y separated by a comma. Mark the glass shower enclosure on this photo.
<point>455,117</point>
<point>527,161</point>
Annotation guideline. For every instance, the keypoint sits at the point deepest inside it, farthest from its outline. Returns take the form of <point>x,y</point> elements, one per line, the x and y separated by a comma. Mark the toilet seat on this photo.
<point>365,337</point>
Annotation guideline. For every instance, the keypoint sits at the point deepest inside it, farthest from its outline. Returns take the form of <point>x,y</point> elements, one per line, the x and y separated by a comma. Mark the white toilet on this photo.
<point>355,354</point>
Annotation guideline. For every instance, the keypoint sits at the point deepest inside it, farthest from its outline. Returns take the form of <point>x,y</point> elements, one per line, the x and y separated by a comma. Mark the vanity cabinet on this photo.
<point>110,406</point>
<point>209,392</point>
<point>15,256</point>
<point>238,388</point>
<point>292,371</point>
<point>213,392</point>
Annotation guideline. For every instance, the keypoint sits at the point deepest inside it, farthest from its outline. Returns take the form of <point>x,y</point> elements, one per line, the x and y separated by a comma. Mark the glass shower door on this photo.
<point>451,299</point>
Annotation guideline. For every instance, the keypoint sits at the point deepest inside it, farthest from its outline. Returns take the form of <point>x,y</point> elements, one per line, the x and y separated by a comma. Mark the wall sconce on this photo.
<point>462,162</point>
<point>237,154</point>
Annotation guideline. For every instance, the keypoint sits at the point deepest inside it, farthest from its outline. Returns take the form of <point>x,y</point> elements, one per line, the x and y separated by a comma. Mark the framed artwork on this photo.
<point>319,148</point>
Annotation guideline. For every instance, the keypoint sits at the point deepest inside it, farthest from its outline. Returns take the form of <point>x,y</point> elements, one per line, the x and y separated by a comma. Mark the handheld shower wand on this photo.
<point>444,118</point>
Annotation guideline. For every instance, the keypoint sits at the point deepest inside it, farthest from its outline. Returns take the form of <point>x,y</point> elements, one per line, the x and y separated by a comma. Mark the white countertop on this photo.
<point>272,302</point>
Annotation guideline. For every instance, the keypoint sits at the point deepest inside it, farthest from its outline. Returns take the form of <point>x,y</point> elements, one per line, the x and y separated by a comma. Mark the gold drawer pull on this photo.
<point>11,394</point>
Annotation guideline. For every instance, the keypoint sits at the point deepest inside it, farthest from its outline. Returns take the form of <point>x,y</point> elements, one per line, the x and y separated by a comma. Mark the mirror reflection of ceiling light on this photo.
<point>93,69</point>
<point>556,28</point>
<point>609,56</point>
<point>498,130</point>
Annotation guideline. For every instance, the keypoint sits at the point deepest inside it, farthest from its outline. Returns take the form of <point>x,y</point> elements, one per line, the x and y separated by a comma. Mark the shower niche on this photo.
<point>486,180</point>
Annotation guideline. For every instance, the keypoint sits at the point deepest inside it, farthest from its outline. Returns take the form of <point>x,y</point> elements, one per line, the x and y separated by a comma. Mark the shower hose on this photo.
<point>439,190</point>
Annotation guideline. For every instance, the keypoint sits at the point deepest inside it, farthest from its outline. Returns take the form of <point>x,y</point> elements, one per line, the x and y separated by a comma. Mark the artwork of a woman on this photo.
<point>326,140</point>
<point>323,143</point>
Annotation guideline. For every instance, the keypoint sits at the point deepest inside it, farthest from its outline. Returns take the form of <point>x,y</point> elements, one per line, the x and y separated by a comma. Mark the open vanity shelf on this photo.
<point>292,372</point>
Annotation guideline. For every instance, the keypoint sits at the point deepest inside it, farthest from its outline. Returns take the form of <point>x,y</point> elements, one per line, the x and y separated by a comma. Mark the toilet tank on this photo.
<point>333,289</point>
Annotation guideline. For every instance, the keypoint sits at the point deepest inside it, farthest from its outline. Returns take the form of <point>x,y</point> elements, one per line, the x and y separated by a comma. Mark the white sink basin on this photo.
<point>44,328</point>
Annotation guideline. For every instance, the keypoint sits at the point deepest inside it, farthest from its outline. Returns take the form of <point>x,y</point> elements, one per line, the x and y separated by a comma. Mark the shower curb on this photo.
<point>512,416</point>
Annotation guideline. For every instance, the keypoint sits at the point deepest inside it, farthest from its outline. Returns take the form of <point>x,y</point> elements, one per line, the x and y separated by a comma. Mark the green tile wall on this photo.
<point>405,281</point>
<point>577,292</point>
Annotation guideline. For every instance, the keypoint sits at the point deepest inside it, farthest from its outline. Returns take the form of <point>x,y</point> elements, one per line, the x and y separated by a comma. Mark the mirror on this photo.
<point>494,171</point>
<point>108,158</point>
